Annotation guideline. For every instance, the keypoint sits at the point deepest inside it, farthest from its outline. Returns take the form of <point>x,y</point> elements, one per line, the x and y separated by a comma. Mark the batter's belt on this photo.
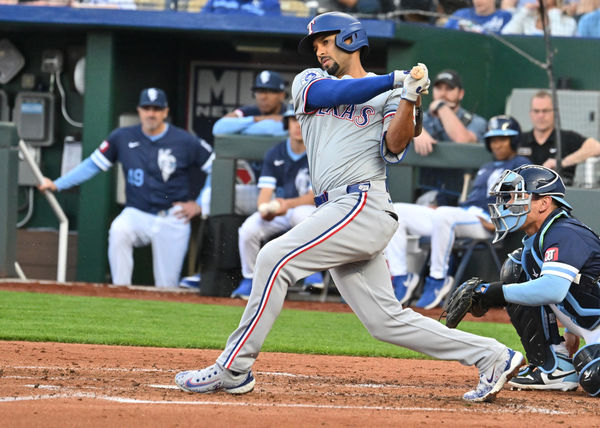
<point>330,195</point>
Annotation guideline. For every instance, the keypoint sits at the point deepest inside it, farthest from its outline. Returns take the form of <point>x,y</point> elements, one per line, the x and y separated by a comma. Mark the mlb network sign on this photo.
<point>217,89</point>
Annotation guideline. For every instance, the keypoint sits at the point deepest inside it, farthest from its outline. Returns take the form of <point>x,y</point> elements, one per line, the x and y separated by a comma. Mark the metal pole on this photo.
<point>552,86</point>
<point>63,229</point>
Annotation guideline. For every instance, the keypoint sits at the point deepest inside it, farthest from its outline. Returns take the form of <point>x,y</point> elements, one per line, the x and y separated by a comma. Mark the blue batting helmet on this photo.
<point>503,126</point>
<point>345,25</point>
<point>513,192</point>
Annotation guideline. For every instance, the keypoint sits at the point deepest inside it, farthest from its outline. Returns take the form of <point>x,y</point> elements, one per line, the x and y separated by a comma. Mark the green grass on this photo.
<point>110,321</point>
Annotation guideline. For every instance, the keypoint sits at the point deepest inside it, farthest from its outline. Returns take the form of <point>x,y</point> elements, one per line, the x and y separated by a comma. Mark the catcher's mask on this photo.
<point>514,191</point>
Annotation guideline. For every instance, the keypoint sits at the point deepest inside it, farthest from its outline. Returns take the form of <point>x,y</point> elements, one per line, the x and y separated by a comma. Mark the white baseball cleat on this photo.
<point>493,379</point>
<point>215,378</point>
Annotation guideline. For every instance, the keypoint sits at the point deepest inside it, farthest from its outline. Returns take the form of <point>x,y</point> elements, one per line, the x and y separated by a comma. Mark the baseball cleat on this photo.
<point>215,378</point>
<point>434,291</point>
<point>243,290</point>
<point>493,379</point>
<point>190,281</point>
<point>314,281</point>
<point>404,285</point>
<point>564,378</point>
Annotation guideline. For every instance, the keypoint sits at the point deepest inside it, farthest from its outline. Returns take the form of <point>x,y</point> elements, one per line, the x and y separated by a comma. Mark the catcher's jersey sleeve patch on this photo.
<point>551,254</point>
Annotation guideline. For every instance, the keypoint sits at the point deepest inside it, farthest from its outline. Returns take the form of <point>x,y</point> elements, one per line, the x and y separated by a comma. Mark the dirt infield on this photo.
<point>55,384</point>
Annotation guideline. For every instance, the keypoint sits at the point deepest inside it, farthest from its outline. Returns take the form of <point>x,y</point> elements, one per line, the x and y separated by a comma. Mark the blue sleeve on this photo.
<point>82,172</point>
<point>266,127</point>
<point>544,290</point>
<point>478,127</point>
<point>331,93</point>
<point>232,125</point>
<point>452,23</point>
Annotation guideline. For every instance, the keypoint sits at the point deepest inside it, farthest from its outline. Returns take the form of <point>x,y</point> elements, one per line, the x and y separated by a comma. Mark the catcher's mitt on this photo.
<point>466,298</point>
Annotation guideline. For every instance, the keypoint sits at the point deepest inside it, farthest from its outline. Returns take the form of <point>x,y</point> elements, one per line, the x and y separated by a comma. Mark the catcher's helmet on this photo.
<point>513,192</point>
<point>345,25</point>
<point>503,126</point>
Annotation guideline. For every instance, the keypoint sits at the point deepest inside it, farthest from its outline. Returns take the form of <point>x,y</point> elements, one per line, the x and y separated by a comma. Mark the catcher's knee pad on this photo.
<point>537,328</point>
<point>587,364</point>
<point>512,270</point>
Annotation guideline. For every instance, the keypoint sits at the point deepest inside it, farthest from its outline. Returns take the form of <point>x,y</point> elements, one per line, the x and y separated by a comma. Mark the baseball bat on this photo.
<point>417,72</point>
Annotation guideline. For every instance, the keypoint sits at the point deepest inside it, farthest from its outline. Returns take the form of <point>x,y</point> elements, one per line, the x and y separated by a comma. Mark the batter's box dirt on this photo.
<point>55,384</point>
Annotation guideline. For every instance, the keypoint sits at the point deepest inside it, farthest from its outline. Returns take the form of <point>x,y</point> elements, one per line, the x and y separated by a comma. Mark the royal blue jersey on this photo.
<point>569,249</point>
<point>487,176</point>
<point>285,171</point>
<point>156,172</point>
<point>467,19</point>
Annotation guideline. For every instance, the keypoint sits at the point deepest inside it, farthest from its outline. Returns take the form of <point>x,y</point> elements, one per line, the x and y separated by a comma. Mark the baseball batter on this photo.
<point>156,159</point>
<point>353,122</point>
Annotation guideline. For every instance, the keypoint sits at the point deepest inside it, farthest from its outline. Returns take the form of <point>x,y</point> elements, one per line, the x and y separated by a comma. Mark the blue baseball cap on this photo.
<point>153,97</point>
<point>270,80</point>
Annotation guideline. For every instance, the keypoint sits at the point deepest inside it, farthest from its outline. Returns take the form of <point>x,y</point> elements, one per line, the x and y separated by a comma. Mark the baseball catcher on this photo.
<point>555,276</point>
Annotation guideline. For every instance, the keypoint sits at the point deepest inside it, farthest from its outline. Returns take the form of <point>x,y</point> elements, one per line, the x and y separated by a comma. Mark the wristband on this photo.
<point>439,106</point>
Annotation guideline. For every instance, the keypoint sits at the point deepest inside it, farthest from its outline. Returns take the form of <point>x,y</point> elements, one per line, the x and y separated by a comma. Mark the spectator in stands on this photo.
<point>539,144</point>
<point>284,178</point>
<point>106,4</point>
<point>417,5</point>
<point>351,6</point>
<point>483,17</point>
<point>156,158</point>
<point>262,118</point>
<point>244,7</point>
<point>589,24</point>
<point>527,20</point>
<point>446,120</point>
<point>444,224</point>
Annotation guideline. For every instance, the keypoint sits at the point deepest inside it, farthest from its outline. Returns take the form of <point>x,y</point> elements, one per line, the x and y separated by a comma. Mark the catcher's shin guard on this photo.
<point>537,328</point>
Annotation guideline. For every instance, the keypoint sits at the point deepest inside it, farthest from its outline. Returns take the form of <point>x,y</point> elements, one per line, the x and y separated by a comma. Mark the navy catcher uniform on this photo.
<point>156,170</point>
<point>352,122</point>
<point>561,261</point>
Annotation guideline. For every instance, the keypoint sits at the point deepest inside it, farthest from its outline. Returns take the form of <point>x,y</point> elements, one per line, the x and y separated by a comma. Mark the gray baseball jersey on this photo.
<point>346,235</point>
<point>349,151</point>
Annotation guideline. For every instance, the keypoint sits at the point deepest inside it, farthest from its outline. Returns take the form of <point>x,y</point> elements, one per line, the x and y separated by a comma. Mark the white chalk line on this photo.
<point>529,409</point>
<point>512,410</point>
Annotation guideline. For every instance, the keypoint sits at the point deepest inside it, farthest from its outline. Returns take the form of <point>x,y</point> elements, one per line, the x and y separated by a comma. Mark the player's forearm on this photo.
<point>589,148</point>
<point>331,93</point>
<point>232,125</point>
<point>306,199</point>
<point>264,195</point>
<point>545,290</point>
<point>454,127</point>
<point>401,129</point>
<point>82,172</point>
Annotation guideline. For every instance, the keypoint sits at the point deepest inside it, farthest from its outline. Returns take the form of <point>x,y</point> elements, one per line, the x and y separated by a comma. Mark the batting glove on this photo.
<point>414,87</point>
<point>399,77</point>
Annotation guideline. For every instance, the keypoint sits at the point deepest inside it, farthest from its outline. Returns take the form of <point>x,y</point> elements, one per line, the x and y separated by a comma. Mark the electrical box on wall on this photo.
<point>34,116</point>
